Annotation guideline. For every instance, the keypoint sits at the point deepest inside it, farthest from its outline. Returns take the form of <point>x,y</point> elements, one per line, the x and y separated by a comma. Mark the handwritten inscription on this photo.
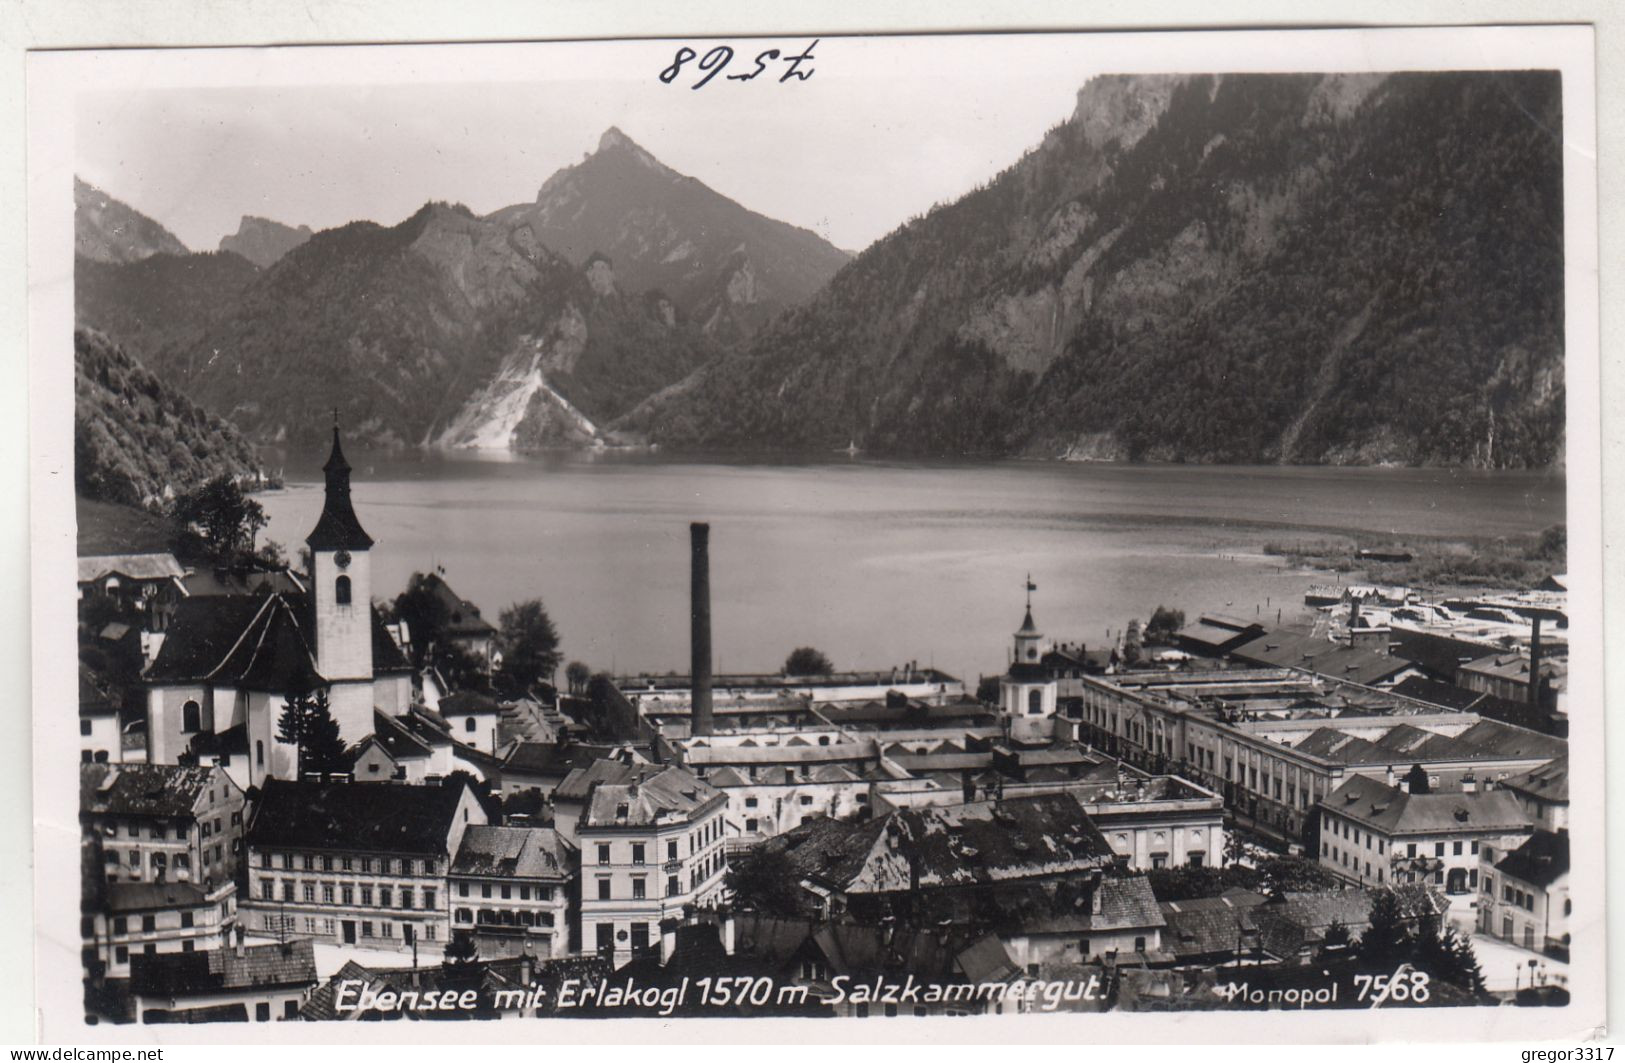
<point>715,61</point>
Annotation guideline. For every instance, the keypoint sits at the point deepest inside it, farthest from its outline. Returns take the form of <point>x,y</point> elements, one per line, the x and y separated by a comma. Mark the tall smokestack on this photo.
<point>1534,660</point>
<point>700,630</point>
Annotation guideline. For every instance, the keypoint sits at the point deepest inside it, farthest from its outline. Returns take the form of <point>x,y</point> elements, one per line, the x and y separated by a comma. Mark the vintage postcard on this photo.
<point>1092,530</point>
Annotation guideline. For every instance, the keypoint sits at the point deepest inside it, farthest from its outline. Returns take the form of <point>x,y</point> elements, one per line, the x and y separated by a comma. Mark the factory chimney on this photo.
<point>700,630</point>
<point>1534,660</point>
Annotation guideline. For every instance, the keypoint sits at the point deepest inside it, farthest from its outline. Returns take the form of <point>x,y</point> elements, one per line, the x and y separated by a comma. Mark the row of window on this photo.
<point>491,917</point>
<point>371,895</point>
<point>543,893</point>
<point>161,861</point>
<point>159,831</point>
<point>366,865</point>
<point>639,856</point>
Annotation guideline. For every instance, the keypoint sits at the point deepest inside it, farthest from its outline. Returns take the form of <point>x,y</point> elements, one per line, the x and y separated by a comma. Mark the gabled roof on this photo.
<point>462,616</point>
<point>468,703</point>
<point>1205,930</point>
<point>145,789</point>
<point>97,695</point>
<point>1540,861</point>
<point>645,798</point>
<point>1125,904</point>
<point>130,566</point>
<point>1286,649</point>
<point>1549,782</point>
<point>182,974</point>
<point>986,960</point>
<point>548,758</point>
<point>394,738</point>
<point>513,852</point>
<point>361,817</point>
<point>1390,811</point>
<point>1436,693</point>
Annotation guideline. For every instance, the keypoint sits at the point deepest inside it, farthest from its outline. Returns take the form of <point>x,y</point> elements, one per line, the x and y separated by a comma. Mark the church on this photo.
<point>227,664</point>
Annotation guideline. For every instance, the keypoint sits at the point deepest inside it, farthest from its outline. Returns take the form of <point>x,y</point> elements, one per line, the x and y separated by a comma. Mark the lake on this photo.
<point>875,563</point>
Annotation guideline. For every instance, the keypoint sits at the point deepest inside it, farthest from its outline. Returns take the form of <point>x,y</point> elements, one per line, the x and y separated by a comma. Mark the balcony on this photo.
<point>672,867</point>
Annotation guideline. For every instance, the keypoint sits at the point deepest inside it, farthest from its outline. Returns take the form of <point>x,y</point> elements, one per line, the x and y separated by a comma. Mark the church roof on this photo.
<point>338,528</point>
<point>1027,625</point>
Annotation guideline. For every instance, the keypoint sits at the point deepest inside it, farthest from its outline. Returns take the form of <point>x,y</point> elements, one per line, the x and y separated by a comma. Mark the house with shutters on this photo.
<point>1524,893</point>
<point>516,883</point>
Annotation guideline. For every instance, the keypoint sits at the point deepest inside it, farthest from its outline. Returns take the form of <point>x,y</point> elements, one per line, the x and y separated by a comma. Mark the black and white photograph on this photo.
<point>817,530</point>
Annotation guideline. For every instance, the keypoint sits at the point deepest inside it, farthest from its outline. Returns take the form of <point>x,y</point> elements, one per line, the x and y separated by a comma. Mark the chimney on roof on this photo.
<point>1534,661</point>
<point>700,628</point>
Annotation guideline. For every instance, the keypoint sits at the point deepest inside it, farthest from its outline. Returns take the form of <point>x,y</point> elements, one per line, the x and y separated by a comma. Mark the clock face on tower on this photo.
<point>342,559</point>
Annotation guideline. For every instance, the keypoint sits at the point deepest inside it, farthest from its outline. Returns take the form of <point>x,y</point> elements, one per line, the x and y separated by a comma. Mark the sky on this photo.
<point>884,129</point>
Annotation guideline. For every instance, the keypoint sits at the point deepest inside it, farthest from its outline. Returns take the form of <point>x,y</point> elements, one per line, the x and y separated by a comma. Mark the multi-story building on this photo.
<point>151,918</point>
<point>1373,834</point>
<point>100,731</point>
<point>1543,793</point>
<point>355,863</point>
<point>650,846</point>
<point>1275,742</point>
<point>517,880</point>
<point>1524,894</point>
<point>163,822</point>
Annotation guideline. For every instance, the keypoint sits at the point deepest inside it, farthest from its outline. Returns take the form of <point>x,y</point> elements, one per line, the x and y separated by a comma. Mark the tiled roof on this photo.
<point>979,843</point>
<point>857,950</point>
<point>130,566</point>
<point>1549,782</point>
<point>1299,919</point>
<point>1436,693</point>
<point>548,758</point>
<point>986,960</point>
<point>395,738</point>
<point>462,616</point>
<point>1196,931</point>
<point>770,938</point>
<point>181,974</point>
<point>1125,903</point>
<point>513,852</point>
<point>97,695</point>
<point>145,789</point>
<point>1285,649</point>
<point>1390,811</point>
<point>580,781</point>
<point>646,798</point>
<point>362,817</point>
<point>1540,861</point>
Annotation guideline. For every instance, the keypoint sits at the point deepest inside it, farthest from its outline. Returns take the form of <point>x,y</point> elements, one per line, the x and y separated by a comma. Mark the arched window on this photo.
<point>341,590</point>
<point>468,724</point>
<point>259,753</point>
<point>191,717</point>
<point>1035,702</point>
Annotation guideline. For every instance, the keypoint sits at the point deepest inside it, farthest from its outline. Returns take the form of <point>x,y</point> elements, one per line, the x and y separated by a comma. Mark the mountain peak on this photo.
<point>614,140</point>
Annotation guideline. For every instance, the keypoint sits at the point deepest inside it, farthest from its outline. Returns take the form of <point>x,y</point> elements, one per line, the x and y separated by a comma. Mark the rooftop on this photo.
<point>1391,811</point>
<point>146,789</point>
<point>513,852</point>
<point>359,817</point>
<point>183,974</point>
<point>107,529</point>
<point>1540,861</point>
<point>647,798</point>
<point>1549,782</point>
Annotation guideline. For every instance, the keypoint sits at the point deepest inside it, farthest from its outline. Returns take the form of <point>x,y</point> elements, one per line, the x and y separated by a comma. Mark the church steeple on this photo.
<point>338,528</point>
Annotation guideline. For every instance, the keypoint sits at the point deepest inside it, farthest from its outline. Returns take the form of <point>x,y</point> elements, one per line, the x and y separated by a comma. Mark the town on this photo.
<point>295,807</point>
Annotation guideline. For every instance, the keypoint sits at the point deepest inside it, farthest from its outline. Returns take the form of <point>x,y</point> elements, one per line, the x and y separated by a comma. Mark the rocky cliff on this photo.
<point>263,241</point>
<point>1299,268</point>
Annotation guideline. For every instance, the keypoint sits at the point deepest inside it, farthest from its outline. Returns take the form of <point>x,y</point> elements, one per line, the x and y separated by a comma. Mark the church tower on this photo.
<point>341,574</point>
<point>1027,692</point>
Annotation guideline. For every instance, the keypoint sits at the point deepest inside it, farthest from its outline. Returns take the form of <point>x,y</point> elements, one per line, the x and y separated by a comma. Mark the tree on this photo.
<point>1235,847</point>
<point>1133,644</point>
<point>529,644</point>
<point>307,724</point>
<point>988,689</point>
<point>219,519</point>
<point>766,881</point>
<point>1387,941</point>
<point>1448,955</point>
<point>426,617</point>
<point>576,675</point>
<point>1160,629</point>
<point>1294,874</point>
<point>804,660</point>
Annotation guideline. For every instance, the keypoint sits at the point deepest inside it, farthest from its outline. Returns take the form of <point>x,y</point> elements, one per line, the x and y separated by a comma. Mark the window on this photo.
<point>386,897</point>
<point>462,889</point>
<point>267,890</point>
<point>121,954</point>
<point>310,893</point>
<point>366,865</point>
<point>84,729</point>
<point>327,893</point>
<point>544,893</point>
<point>307,862</point>
<point>671,850</point>
<point>348,864</point>
<point>1139,944</point>
<point>750,802</point>
<point>640,937</point>
<point>366,928</point>
<point>341,590</point>
<point>428,899</point>
<point>290,1009</point>
<point>1035,702</point>
<point>327,863</point>
<point>1455,849</point>
<point>287,861</point>
<point>639,887</point>
<point>468,725</point>
<point>524,893</point>
<point>603,855</point>
<point>603,889</point>
<point>507,892</point>
<point>637,853</point>
<point>121,925</point>
<point>186,920</point>
<point>406,897</point>
<point>287,891</point>
<point>806,799</point>
<point>1438,848</point>
<point>606,937</point>
<point>348,894</point>
<point>191,717</point>
<point>366,895</point>
<point>262,1012</point>
<point>259,753</point>
<point>485,890</point>
<point>750,826</point>
<point>672,889</point>
<point>1410,849</point>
